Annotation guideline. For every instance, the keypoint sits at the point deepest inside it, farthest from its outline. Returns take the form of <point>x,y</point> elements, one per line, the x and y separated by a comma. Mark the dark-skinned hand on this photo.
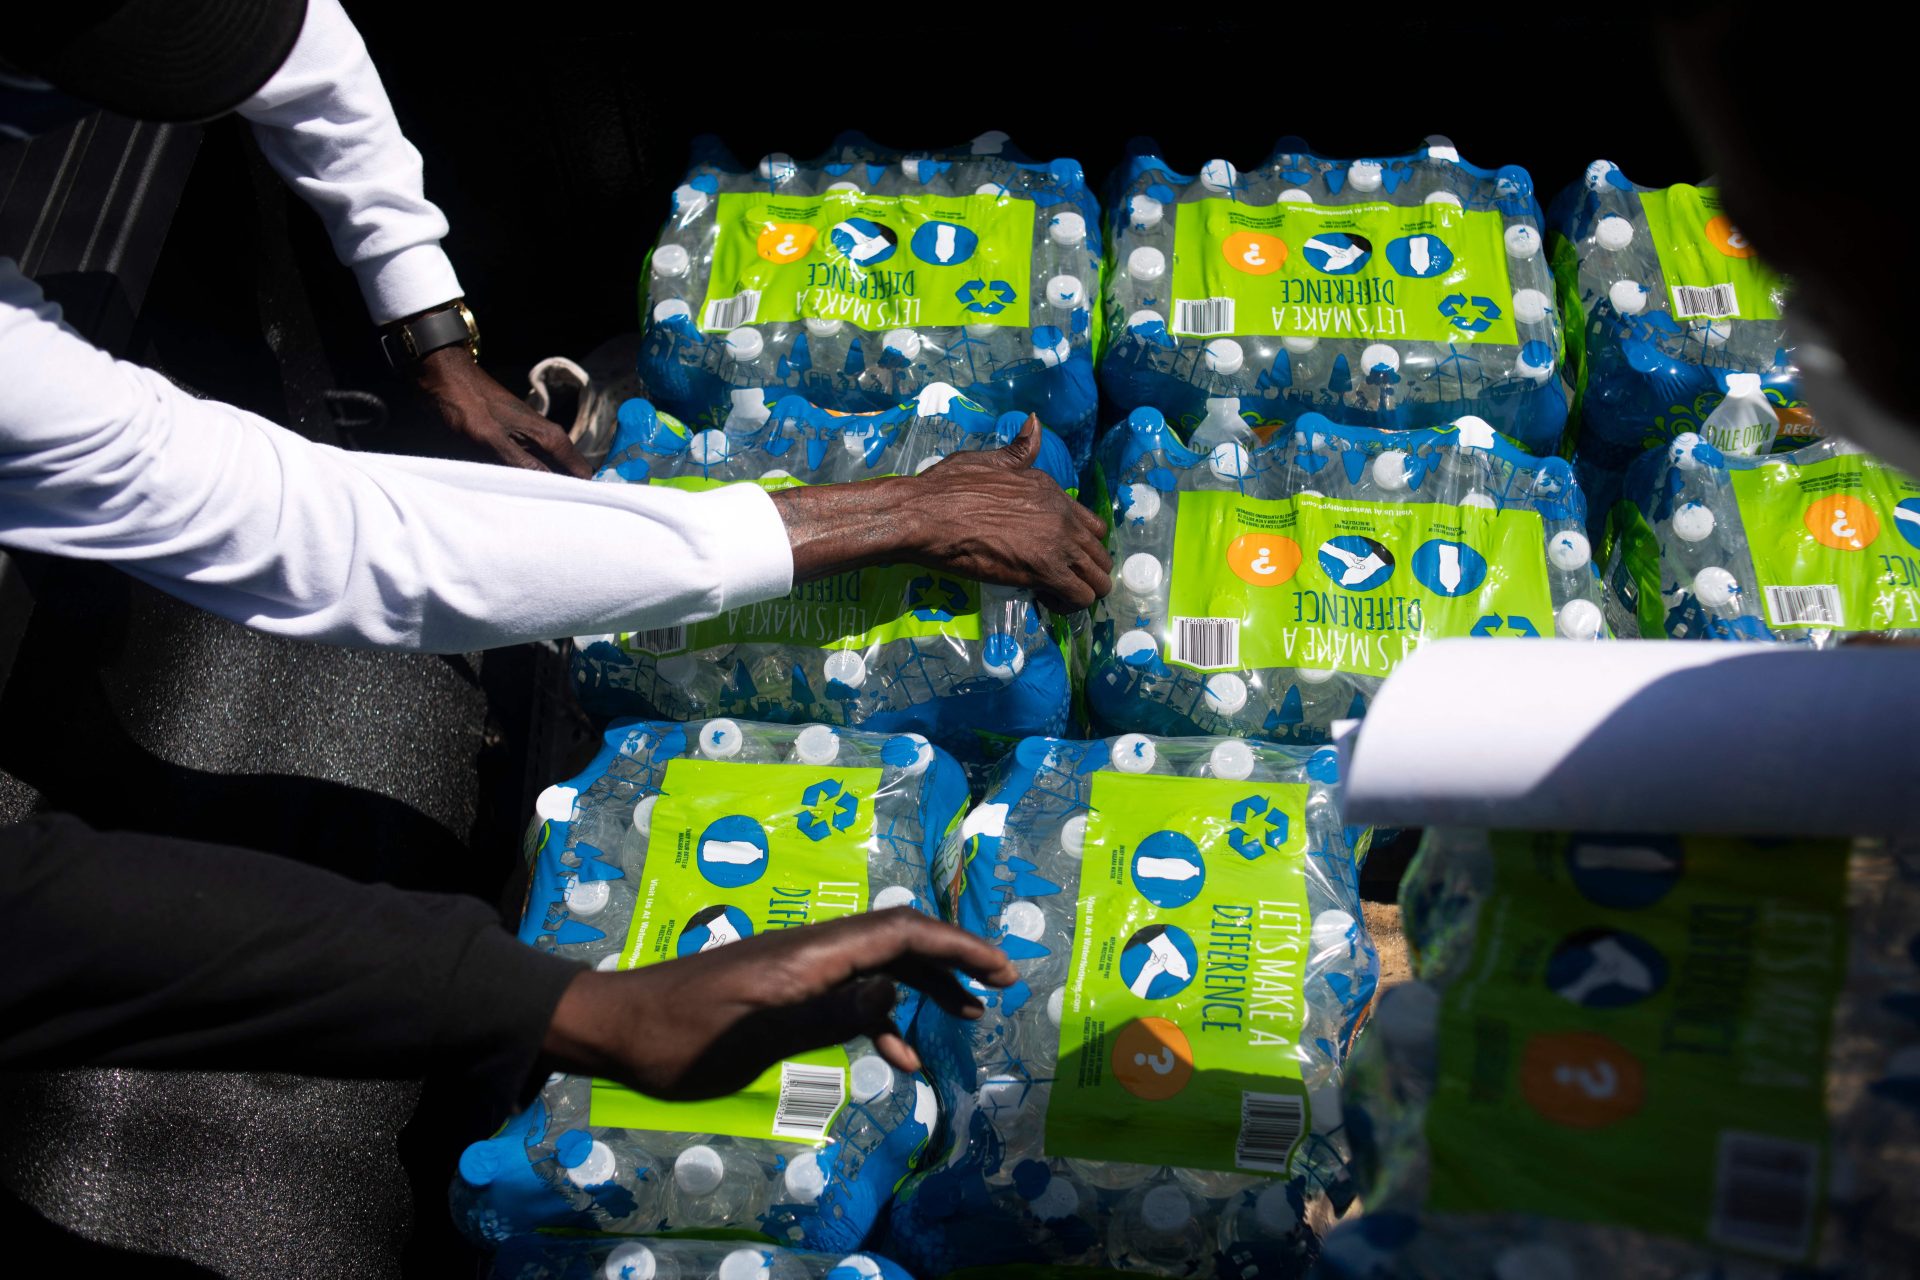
<point>706,1025</point>
<point>499,424</point>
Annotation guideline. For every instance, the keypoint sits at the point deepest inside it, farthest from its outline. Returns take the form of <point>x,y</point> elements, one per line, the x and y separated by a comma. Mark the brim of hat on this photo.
<point>167,60</point>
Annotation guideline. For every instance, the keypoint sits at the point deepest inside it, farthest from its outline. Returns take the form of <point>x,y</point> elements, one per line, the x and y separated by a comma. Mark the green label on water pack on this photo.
<point>738,849</point>
<point>1348,586</point>
<point>1835,544</point>
<point>1641,1039</point>
<point>1430,272</point>
<point>875,262</point>
<point>1708,265</point>
<point>849,610</point>
<point>1179,1040</point>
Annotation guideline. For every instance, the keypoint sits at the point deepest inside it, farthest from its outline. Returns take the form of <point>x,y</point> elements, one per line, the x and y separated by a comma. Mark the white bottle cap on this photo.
<point>1013,665</point>
<point>1715,587</point>
<point>1680,452</point>
<point>1390,471</point>
<point>555,804</point>
<point>671,309</point>
<point>910,165</point>
<point>1364,175</point>
<point>930,461</point>
<point>1313,675</point>
<point>596,1169</point>
<point>1530,306</point>
<point>630,1262</point>
<point>1569,550</point>
<point>608,963</point>
<point>588,897</point>
<point>1142,573</point>
<point>1144,212</point>
<point>1442,197</point>
<point>745,343</point>
<point>1073,835</point>
<point>894,895</point>
<point>816,744</point>
<point>1299,346</point>
<point>1145,316</point>
<point>1330,930</point>
<point>1218,175</point>
<point>847,667</point>
<point>721,739</point>
<point>904,341</point>
<point>1057,1006</point>
<point>1146,263</point>
<point>982,330</point>
<point>804,1179</point>
<point>1439,148</point>
<point>997,190</point>
<point>1613,232</point>
<point>643,814</point>
<point>1407,1015</point>
<point>1476,498</point>
<point>1024,920</point>
<point>1473,432</point>
<point>842,185</point>
<point>1134,752</point>
<point>1713,332</point>
<point>1525,368</point>
<point>1052,356</point>
<point>744,1264</point>
<point>1324,1104</point>
<point>1229,461</point>
<point>709,447</point>
<point>1056,1200</point>
<point>670,261</point>
<point>1143,503</point>
<point>1134,642</point>
<point>1231,759</point>
<point>1693,522</point>
<point>1379,354</point>
<point>923,756</point>
<point>698,1170</point>
<point>859,1264</point>
<point>1272,1213</point>
<point>1065,292</point>
<point>1294,195</point>
<point>1165,1208</point>
<point>1226,693</point>
<point>869,1077</point>
<point>1067,229</point>
<point>1578,620</point>
<point>1743,385</point>
<point>689,201</point>
<point>1225,356</point>
<point>1522,241</point>
<point>1629,297</point>
<point>777,167</point>
<point>821,327</point>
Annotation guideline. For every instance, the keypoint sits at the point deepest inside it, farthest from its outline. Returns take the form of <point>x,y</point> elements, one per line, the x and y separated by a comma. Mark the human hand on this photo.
<point>706,1025</point>
<point>493,418</point>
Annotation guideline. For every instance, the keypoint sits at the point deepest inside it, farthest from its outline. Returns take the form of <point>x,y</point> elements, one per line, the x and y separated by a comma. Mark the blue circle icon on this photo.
<point>712,927</point>
<point>1448,568</point>
<point>1355,563</point>
<point>733,851</point>
<point>1159,961</point>
<point>943,244</point>
<point>1906,518</point>
<point>1605,969</point>
<point>1624,872</point>
<point>1337,253</point>
<point>1168,870</point>
<point>863,242</point>
<point>1422,256</point>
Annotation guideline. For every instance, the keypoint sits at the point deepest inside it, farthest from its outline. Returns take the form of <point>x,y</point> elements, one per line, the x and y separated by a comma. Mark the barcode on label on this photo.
<point>1712,302</point>
<point>1270,1127</point>
<point>1204,318</point>
<point>1805,606</point>
<point>1207,643</point>
<point>731,313</point>
<point>658,640</point>
<point>1764,1194</point>
<point>809,1097</point>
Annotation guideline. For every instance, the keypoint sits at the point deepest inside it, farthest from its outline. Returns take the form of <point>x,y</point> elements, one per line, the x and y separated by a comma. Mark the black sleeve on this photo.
<point>136,950</point>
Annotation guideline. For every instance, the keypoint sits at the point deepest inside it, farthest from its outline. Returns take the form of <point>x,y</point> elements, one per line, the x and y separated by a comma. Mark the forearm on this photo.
<point>833,528</point>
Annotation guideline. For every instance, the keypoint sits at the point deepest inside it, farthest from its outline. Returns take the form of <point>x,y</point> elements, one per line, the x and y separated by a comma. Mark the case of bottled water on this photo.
<point>551,1257</point>
<point>1397,291</point>
<point>784,826</point>
<point>1647,1056</point>
<point>1266,590</point>
<point>1807,547</point>
<point>889,648</point>
<point>1159,1091</point>
<point>859,277</point>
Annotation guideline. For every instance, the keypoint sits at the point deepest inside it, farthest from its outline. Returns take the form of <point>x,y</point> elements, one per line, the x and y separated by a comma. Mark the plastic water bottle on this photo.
<point>1744,422</point>
<point>718,1184</point>
<point>1156,1228</point>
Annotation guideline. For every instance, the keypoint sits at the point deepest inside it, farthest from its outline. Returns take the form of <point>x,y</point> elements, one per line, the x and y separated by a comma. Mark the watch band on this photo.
<point>407,342</point>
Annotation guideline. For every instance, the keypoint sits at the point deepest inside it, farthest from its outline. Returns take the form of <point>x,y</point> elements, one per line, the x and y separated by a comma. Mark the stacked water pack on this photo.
<point>1267,590</point>
<point>1643,1056</point>
<point>786,827</point>
<point>860,277</point>
<point>890,648</point>
<point>1158,1093</point>
<point>1804,547</point>
<point>1404,291</point>
<point>550,1257</point>
<point>1667,302</point>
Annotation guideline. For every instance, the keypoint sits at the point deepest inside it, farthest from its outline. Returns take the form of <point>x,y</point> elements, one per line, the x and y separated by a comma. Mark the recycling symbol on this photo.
<point>1244,812</point>
<point>936,599</point>
<point>826,807</point>
<point>1515,626</point>
<point>1475,314</point>
<point>987,298</point>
